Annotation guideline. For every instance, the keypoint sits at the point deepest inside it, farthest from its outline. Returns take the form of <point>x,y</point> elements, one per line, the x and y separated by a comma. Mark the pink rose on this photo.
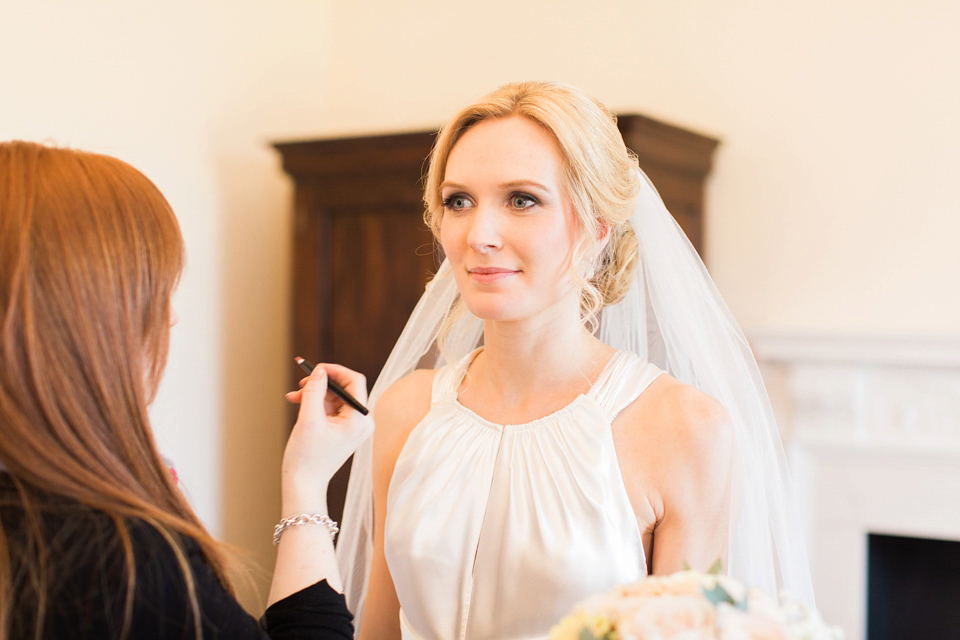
<point>670,618</point>
<point>734,624</point>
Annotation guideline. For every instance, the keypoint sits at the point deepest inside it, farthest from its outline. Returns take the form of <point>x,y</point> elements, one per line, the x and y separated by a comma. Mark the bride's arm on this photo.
<point>680,455</point>
<point>398,410</point>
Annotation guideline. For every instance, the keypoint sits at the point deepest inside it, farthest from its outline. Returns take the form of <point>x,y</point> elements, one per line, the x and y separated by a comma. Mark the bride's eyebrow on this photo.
<point>514,184</point>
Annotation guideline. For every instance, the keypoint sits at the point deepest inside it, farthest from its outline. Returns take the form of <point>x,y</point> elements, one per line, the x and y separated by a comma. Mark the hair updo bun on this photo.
<point>617,266</point>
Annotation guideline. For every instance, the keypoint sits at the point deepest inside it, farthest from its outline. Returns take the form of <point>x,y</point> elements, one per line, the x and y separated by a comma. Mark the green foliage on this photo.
<point>716,567</point>
<point>718,594</point>
<point>586,634</point>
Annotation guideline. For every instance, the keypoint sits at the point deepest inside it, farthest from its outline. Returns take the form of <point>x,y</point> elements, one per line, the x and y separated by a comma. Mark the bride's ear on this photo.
<point>602,238</point>
<point>592,248</point>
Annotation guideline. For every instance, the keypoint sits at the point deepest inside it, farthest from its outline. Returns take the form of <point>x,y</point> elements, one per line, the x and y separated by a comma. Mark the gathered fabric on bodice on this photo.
<point>495,531</point>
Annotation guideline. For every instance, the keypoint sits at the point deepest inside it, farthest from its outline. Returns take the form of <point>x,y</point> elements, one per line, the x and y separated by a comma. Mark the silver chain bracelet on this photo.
<point>305,518</point>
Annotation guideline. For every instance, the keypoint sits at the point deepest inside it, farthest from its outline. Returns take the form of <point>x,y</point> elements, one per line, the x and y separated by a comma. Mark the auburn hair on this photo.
<point>90,254</point>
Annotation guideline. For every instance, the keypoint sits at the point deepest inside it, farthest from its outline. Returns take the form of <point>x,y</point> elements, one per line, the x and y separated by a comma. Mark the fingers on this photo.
<point>353,382</point>
<point>294,397</point>
<point>316,383</point>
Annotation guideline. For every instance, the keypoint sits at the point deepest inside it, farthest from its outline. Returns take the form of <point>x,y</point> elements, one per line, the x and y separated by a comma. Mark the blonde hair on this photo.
<point>600,176</point>
<point>90,254</point>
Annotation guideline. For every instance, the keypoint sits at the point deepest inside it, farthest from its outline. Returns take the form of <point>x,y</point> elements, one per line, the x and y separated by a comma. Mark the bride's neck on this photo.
<point>524,359</point>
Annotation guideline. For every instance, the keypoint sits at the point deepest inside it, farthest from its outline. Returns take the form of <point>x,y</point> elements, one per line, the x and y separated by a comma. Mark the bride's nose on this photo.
<point>484,232</point>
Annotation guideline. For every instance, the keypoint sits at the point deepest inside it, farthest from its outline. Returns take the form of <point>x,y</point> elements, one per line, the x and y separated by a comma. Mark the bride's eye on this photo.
<point>522,200</point>
<point>456,202</point>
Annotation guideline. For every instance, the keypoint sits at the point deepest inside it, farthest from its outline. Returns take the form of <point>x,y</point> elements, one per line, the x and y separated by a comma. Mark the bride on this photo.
<point>611,425</point>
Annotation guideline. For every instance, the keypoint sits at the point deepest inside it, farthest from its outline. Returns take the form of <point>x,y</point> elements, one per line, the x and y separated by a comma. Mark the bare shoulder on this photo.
<point>692,413</point>
<point>398,410</point>
<point>678,419</point>
<point>407,399</point>
<point>675,446</point>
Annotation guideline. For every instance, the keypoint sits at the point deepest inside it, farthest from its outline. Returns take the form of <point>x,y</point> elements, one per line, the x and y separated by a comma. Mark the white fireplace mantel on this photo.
<point>872,430</point>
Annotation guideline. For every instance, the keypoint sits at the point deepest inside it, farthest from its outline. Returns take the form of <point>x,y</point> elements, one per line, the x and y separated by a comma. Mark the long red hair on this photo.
<point>90,254</point>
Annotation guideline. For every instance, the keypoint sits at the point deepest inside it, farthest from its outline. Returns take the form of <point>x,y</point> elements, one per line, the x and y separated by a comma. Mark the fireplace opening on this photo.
<point>913,588</point>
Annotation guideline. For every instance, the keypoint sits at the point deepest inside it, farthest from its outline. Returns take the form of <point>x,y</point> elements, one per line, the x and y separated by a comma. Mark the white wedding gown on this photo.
<point>496,531</point>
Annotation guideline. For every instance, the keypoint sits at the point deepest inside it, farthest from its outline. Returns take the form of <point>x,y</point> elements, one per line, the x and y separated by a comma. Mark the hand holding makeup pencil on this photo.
<point>326,433</point>
<point>334,386</point>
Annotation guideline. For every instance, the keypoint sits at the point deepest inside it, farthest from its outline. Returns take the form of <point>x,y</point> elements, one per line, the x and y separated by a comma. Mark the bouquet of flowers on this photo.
<point>691,606</point>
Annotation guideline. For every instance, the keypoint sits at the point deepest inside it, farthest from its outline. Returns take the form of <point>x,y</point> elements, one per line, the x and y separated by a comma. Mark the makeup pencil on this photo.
<point>338,391</point>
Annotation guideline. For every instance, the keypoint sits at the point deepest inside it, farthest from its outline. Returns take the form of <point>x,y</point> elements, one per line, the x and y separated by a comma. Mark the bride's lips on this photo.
<point>490,274</point>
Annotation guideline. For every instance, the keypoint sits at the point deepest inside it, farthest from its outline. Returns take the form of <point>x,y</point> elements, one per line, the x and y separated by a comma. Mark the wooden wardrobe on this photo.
<point>362,253</point>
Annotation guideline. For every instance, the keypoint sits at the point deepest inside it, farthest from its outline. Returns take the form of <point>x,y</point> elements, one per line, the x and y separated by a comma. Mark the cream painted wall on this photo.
<point>834,205</point>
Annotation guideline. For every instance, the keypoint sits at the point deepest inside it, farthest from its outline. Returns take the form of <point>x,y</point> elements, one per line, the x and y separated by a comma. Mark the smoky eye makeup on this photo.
<point>522,200</point>
<point>456,202</point>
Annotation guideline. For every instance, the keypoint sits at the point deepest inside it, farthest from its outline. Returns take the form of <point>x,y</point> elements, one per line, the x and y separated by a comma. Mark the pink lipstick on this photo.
<point>490,274</point>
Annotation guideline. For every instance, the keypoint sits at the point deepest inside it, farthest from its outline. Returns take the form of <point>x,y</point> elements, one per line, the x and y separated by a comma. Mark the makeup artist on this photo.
<point>96,539</point>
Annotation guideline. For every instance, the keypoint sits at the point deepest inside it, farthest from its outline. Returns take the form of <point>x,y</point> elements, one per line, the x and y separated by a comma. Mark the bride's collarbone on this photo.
<point>528,398</point>
<point>520,408</point>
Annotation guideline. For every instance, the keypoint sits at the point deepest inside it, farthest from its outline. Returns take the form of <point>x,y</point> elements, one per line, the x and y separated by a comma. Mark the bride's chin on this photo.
<point>514,308</point>
<point>499,311</point>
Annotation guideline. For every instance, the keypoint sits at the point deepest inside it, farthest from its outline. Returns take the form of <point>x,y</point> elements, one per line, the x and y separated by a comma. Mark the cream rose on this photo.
<point>682,617</point>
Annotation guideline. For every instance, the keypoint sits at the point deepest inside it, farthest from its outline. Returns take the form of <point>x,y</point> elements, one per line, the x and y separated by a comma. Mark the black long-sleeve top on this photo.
<point>87,586</point>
